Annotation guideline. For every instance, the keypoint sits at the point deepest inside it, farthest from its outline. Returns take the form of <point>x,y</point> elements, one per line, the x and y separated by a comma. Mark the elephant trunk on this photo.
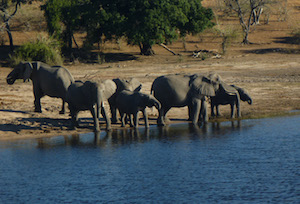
<point>10,79</point>
<point>249,101</point>
<point>157,105</point>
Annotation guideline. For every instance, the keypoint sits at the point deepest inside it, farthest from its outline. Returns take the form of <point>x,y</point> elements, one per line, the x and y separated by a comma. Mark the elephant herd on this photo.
<point>125,96</point>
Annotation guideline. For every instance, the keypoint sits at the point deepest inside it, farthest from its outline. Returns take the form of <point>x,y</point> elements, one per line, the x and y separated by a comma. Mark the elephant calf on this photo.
<point>122,84</point>
<point>89,96</point>
<point>130,103</point>
<point>46,80</point>
<point>233,95</point>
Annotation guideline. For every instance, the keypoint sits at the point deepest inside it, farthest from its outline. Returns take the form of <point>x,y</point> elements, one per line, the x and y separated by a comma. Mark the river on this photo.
<point>248,161</point>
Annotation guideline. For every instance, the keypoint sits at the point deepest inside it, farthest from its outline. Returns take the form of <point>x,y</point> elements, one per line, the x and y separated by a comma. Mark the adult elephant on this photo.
<point>229,95</point>
<point>90,96</point>
<point>185,90</point>
<point>132,84</point>
<point>51,81</point>
<point>131,103</point>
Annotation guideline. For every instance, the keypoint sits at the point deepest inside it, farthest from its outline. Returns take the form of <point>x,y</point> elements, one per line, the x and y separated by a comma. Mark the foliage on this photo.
<point>63,18</point>
<point>142,22</point>
<point>43,49</point>
<point>145,23</point>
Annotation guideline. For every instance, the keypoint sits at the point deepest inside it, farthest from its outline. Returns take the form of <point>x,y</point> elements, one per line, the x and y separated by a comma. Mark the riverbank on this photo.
<point>272,79</point>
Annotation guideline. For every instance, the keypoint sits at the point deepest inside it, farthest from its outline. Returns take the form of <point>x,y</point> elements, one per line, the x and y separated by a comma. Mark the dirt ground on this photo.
<point>269,69</point>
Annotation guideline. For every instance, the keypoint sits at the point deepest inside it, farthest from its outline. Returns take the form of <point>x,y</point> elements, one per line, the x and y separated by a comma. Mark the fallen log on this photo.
<point>164,46</point>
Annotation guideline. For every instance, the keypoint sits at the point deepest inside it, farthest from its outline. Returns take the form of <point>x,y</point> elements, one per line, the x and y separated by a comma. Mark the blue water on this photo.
<point>251,161</point>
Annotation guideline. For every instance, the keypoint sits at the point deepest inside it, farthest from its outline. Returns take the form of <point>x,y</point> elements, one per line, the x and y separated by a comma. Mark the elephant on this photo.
<point>185,90</point>
<point>122,84</point>
<point>90,96</point>
<point>232,95</point>
<point>51,81</point>
<point>130,103</point>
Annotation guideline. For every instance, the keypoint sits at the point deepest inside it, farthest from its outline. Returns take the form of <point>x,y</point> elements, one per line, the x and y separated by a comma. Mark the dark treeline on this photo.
<point>141,22</point>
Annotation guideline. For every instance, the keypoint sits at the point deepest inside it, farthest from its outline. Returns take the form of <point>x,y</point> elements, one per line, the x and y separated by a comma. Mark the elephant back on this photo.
<point>228,89</point>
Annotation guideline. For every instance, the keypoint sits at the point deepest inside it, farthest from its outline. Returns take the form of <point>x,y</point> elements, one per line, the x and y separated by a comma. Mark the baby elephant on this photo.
<point>130,103</point>
<point>90,96</point>
<point>229,94</point>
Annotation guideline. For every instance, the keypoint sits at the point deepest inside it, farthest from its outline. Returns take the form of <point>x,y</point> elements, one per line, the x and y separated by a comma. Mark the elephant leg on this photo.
<point>232,110</point>
<point>107,120</point>
<point>203,117</point>
<point>74,118</point>
<point>146,118</point>
<point>37,103</point>
<point>113,111</point>
<point>136,119</point>
<point>123,117</point>
<point>130,118</point>
<point>212,112</point>
<point>196,111</point>
<point>96,121</point>
<point>217,110</point>
<point>162,119</point>
<point>238,110</point>
<point>62,111</point>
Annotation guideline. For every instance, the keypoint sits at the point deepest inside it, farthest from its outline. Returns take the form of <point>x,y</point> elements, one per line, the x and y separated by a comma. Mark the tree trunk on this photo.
<point>11,42</point>
<point>246,41</point>
<point>146,49</point>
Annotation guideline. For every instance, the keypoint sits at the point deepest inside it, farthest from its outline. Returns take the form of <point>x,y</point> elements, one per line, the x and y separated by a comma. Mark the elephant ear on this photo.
<point>202,88</point>
<point>27,71</point>
<point>89,90</point>
<point>136,85</point>
<point>120,84</point>
<point>108,88</point>
<point>228,89</point>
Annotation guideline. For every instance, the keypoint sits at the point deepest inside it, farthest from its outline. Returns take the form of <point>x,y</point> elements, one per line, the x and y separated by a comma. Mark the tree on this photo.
<point>144,22</point>
<point>247,11</point>
<point>7,16</point>
<point>63,18</point>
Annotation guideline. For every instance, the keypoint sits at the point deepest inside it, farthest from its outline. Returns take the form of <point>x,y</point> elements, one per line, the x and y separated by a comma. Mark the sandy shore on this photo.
<point>273,81</point>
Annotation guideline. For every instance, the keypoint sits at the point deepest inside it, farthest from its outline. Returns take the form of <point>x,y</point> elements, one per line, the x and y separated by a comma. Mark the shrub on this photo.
<point>42,49</point>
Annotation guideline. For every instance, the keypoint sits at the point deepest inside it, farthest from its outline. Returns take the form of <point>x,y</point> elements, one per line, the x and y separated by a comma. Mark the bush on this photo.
<point>42,49</point>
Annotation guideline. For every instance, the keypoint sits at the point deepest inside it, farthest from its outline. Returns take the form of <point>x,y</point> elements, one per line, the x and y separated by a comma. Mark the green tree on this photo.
<point>145,23</point>
<point>63,18</point>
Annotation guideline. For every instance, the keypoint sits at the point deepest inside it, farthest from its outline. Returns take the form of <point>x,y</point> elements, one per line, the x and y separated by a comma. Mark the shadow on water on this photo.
<point>127,136</point>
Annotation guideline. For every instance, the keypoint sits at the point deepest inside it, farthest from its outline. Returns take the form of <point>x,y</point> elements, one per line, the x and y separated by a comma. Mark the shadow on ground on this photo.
<point>274,50</point>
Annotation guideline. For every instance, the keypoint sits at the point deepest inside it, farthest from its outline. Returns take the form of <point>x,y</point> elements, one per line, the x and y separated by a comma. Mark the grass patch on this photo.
<point>42,49</point>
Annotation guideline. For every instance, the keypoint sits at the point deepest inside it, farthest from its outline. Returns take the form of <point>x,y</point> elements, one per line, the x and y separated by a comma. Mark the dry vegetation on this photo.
<point>269,69</point>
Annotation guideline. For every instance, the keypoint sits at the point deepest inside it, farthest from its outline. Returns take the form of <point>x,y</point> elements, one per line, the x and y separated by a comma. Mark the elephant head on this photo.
<point>244,95</point>
<point>204,85</point>
<point>22,71</point>
<point>130,85</point>
<point>149,101</point>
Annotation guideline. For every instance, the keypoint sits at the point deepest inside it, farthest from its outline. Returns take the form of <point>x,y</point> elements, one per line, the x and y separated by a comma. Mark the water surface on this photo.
<point>250,161</point>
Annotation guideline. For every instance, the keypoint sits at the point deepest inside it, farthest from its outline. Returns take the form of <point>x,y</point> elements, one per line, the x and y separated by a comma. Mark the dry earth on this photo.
<point>269,69</point>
